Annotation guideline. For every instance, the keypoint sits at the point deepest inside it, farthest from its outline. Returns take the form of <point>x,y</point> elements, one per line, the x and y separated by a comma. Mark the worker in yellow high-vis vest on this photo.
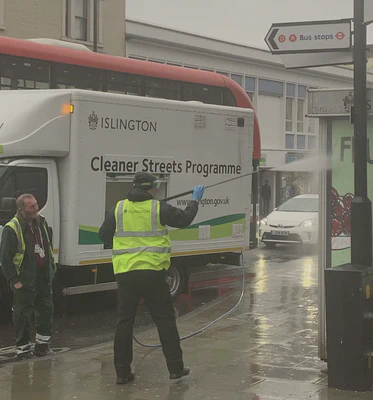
<point>26,257</point>
<point>136,228</point>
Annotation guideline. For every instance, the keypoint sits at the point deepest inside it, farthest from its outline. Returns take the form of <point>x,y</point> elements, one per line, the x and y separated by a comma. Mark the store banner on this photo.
<point>343,187</point>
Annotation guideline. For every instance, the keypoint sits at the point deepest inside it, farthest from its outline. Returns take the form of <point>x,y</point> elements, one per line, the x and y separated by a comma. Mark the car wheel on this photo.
<point>270,245</point>
<point>176,276</point>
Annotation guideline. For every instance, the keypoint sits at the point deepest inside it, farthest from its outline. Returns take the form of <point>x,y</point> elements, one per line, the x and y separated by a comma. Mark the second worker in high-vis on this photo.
<point>136,228</point>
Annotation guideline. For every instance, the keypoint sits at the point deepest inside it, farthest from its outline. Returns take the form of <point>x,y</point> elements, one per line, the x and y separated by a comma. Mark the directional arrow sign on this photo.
<point>310,37</point>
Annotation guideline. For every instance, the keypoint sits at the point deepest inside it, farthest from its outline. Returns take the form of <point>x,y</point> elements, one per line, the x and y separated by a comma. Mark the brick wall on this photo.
<point>114,27</point>
<point>25,19</point>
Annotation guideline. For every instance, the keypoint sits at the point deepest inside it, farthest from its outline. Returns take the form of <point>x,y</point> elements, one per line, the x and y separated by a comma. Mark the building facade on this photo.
<point>280,96</point>
<point>67,20</point>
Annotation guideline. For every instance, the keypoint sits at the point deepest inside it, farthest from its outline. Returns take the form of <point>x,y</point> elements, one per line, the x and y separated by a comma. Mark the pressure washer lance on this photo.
<point>242,265</point>
<point>210,186</point>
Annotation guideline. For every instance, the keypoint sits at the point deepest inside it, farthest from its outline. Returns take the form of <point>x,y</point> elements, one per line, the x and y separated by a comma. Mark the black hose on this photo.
<point>212,322</point>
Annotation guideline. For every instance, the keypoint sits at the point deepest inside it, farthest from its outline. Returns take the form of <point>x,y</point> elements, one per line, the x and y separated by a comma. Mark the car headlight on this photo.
<point>306,224</point>
<point>264,221</point>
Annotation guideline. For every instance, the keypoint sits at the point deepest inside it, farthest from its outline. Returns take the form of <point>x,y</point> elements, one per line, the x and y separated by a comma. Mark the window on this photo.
<point>300,115</point>
<point>124,83</point>
<point>301,142</point>
<point>289,114</point>
<point>19,180</point>
<point>223,73</point>
<point>312,141</point>
<point>17,73</point>
<point>81,20</point>
<point>78,20</point>
<point>154,60</point>
<point>289,141</point>
<point>237,78</point>
<point>290,94</point>
<point>162,89</point>
<point>228,99</point>
<point>271,87</point>
<point>250,84</point>
<point>205,94</point>
<point>175,64</point>
<point>137,57</point>
<point>70,76</point>
<point>300,205</point>
<point>290,90</point>
<point>311,125</point>
<point>302,92</point>
<point>67,18</point>
<point>252,96</point>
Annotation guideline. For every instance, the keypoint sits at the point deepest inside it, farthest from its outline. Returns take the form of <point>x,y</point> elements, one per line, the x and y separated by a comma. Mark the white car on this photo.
<point>293,222</point>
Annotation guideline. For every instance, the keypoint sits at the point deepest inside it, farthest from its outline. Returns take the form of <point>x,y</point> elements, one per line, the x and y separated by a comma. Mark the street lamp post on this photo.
<point>361,208</point>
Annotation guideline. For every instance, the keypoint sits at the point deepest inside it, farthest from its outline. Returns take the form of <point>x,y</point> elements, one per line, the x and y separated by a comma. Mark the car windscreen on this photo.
<point>302,204</point>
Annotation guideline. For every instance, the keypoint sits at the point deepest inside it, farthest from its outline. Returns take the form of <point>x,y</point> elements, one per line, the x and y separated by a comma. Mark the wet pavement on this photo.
<point>266,349</point>
<point>77,318</point>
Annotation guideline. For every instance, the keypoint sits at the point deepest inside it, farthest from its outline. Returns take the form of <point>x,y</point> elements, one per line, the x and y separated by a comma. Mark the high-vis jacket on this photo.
<point>140,241</point>
<point>21,245</point>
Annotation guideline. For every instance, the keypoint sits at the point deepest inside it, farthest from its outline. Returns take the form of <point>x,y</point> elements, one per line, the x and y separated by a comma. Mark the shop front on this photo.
<point>293,179</point>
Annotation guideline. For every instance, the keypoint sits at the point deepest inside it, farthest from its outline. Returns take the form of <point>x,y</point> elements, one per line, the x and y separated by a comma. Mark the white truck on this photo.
<point>77,152</point>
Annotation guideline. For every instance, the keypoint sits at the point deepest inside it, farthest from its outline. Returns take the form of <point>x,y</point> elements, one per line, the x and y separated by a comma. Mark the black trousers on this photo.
<point>266,206</point>
<point>153,288</point>
<point>38,301</point>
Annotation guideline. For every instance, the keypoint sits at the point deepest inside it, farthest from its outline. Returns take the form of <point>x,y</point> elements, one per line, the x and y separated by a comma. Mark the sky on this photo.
<point>241,21</point>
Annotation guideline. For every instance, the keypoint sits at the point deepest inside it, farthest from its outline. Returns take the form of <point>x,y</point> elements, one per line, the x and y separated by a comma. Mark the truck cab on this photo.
<point>37,176</point>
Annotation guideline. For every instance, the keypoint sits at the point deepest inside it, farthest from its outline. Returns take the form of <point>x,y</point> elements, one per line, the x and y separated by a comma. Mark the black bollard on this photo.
<point>349,325</point>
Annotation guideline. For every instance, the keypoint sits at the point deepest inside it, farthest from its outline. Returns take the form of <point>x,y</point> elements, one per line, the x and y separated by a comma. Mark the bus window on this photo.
<point>17,73</point>
<point>162,88</point>
<point>69,77</point>
<point>205,94</point>
<point>119,82</point>
<point>229,99</point>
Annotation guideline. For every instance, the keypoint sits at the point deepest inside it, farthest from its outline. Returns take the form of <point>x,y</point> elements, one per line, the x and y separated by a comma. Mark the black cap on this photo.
<point>144,179</point>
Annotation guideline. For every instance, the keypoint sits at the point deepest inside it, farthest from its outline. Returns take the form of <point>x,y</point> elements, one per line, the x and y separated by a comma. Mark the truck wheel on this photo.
<point>176,276</point>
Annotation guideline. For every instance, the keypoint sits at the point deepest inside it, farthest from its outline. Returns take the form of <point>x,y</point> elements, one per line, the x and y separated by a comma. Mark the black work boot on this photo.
<point>26,355</point>
<point>42,350</point>
<point>183,372</point>
<point>24,352</point>
<point>124,380</point>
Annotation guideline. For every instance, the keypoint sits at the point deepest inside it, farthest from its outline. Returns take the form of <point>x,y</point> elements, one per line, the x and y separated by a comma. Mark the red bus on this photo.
<point>28,65</point>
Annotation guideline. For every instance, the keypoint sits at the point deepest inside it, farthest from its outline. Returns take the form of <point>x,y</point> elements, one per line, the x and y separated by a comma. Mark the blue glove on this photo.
<point>198,192</point>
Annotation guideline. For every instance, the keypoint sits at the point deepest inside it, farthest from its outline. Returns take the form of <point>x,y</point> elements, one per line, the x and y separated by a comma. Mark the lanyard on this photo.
<point>41,236</point>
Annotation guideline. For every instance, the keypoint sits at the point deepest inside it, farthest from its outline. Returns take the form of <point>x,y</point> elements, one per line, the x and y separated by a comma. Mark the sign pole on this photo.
<point>361,208</point>
<point>95,25</point>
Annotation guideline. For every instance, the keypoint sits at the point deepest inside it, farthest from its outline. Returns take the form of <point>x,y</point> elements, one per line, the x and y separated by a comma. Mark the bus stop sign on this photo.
<point>310,37</point>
